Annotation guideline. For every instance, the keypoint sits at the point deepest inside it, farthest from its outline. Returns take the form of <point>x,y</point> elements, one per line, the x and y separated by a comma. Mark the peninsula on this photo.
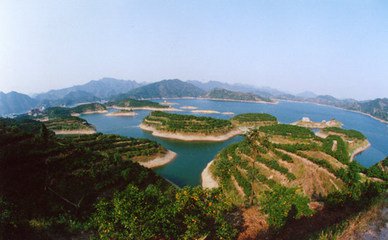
<point>283,158</point>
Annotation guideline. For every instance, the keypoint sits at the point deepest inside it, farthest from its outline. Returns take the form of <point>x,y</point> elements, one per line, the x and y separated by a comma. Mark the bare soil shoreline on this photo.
<point>360,150</point>
<point>207,178</point>
<point>75,132</point>
<point>160,161</point>
<point>190,137</point>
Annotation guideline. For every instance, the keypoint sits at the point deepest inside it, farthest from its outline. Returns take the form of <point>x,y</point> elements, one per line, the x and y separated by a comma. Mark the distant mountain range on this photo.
<point>103,88</point>
<point>116,89</point>
<point>15,102</point>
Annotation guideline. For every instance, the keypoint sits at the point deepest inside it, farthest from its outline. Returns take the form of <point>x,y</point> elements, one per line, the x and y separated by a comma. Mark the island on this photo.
<point>254,120</point>
<point>306,122</point>
<point>133,104</point>
<point>188,127</point>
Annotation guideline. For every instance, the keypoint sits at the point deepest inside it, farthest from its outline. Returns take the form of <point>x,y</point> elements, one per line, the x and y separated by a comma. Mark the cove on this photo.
<point>193,156</point>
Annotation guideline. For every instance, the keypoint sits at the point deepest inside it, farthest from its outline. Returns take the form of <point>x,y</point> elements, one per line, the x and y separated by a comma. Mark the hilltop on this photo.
<point>164,89</point>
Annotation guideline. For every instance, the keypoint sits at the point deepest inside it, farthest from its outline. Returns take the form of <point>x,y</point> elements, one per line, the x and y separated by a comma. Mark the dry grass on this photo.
<point>321,155</point>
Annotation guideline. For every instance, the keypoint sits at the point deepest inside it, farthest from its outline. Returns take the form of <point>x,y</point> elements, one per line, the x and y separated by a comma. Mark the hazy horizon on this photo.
<point>338,48</point>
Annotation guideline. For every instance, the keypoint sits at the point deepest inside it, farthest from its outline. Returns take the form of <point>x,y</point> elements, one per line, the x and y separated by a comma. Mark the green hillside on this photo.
<point>187,123</point>
<point>133,103</point>
<point>87,187</point>
<point>164,89</point>
<point>279,167</point>
<point>224,94</point>
<point>91,107</point>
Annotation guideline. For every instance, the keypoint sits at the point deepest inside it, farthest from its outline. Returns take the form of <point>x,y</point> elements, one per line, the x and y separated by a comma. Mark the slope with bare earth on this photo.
<point>285,155</point>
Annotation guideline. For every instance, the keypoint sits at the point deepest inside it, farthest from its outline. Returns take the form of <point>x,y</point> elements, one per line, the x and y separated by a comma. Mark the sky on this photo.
<point>328,47</point>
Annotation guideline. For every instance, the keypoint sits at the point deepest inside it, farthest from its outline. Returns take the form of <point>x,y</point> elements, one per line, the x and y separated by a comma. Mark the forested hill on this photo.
<point>80,187</point>
<point>219,93</point>
<point>103,88</point>
<point>164,89</point>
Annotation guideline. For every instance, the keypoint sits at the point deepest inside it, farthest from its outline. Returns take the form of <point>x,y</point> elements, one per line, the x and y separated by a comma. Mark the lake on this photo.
<point>193,156</point>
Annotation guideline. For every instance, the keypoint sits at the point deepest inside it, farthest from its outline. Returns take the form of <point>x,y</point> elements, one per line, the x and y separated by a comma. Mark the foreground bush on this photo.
<point>189,213</point>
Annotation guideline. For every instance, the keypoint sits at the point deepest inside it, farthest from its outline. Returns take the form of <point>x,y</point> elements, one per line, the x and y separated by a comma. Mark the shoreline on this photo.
<point>75,132</point>
<point>207,179</point>
<point>89,112</point>
<point>236,100</point>
<point>121,114</point>
<point>188,137</point>
<point>160,161</point>
<point>275,101</point>
<point>359,150</point>
<point>326,105</point>
<point>147,108</point>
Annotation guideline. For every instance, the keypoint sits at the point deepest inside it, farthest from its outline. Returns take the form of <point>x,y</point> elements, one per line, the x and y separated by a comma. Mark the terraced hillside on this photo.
<point>86,187</point>
<point>134,149</point>
<point>178,123</point>
<point>284,156</point>
<point>254,119</point>
<point>68,124</point>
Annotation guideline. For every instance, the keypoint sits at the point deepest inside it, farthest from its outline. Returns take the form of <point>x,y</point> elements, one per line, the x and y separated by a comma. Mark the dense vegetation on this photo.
<point>349,133</point>
<point>379,170</point>
<point>188,213</point>
<point>68,124</point>
<point>187,123</point>
<point>219,93</point>
<point>133,103</point>
<point>254,119</point>
<point>287,130</point>
<point>58,187</point>
<point>91,107</point>
<point>282,176</point>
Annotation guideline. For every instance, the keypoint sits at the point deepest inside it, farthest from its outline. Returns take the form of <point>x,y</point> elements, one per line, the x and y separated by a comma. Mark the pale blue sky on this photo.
<point>329,47</point>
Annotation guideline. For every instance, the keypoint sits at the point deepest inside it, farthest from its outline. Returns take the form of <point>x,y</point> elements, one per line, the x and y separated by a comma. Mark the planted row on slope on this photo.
<point>55,187</point>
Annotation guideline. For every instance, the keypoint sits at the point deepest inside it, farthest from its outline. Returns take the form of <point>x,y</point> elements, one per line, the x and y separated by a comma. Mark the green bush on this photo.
<point>283,203</point>
<point>190,213</point>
